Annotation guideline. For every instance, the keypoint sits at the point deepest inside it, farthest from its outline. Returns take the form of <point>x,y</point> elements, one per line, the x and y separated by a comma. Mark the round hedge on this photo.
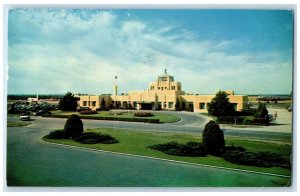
<point>74,125</point>
<point>213,139</point>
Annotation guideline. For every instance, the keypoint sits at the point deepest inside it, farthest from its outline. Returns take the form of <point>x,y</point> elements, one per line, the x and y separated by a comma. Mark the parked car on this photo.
<point>24,117</point>
<point>41,112</point>
<point>83,108</point>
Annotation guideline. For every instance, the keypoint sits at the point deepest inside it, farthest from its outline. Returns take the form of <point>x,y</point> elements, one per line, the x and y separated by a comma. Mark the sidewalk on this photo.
<point>283,122</point>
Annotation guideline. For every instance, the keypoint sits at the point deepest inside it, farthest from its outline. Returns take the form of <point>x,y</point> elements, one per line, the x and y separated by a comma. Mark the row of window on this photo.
<point>88,103</point>
<point>162,88</point>
<point>202,106</point>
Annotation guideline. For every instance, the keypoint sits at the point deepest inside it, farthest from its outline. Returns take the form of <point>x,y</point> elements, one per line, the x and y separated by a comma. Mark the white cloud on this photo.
<point>82,52</point>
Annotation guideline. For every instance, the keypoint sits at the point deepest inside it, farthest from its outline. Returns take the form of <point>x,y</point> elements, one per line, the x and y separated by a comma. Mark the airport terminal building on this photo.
<point>165,93</point>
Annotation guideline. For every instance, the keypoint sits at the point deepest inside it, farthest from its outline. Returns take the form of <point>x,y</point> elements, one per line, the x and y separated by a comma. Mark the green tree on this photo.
<point>68,102</point>
<point>103,104</point>
<point>262,114</point>
<point>177,106</point>
<point>262,111</point>
<point>213,139</point>
<point>220,105</point>
<point>73,126</point>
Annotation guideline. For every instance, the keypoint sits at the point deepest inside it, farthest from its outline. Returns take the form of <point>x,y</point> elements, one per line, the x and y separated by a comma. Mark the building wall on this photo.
<point>163,93</point>
<point>94,101</point>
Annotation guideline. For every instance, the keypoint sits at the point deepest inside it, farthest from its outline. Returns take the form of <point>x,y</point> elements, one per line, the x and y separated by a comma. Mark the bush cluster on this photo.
<point>88,112</point>
<point>230,120</point>
<point>58,134</point>
<point>93,138</point>
<point>143,114</point>
<point>242,120</point>
<point>239,155</point>
<point>190,149</point>
<point>107,118</point>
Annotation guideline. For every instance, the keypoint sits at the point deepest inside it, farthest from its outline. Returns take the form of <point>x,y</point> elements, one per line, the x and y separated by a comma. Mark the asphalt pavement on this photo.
<point>189,123</point>
<point>32,162</point>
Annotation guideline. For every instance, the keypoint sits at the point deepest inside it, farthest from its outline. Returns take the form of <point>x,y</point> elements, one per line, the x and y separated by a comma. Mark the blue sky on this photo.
<point>81,50</point>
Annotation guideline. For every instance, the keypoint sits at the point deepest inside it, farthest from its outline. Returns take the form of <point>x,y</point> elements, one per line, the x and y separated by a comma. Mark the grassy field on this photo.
<point>163,118</point>
<point>17,123</point>
<point>136,142</point>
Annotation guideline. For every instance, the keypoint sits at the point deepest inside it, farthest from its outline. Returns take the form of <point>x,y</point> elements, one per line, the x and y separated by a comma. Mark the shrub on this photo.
<point>88,112</point>
<point>93,138</point>
<point>261,121</point>
<point>213,138</point>
<point>58,134</point>
<point>190,149</point>
<point>143,114</point>
<point>230,120</point>
<point>259,159</point>
<point>107,118</point>
<point>248,120</point>
<point>73,125</point>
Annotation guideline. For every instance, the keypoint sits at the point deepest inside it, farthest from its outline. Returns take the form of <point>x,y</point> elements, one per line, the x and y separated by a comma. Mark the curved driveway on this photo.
<point>189,123</point>
<point>32,162</point>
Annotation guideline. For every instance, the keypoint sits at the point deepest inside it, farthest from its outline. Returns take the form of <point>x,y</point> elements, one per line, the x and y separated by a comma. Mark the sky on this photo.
<point>53,51</point>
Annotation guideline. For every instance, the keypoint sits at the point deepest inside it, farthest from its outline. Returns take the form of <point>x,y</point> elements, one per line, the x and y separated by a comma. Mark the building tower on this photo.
<point>115,87</point>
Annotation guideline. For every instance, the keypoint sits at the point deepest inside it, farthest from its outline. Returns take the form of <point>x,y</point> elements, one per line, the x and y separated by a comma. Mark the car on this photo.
<point>24,117</point>
<point>83,108</point>
<point>41,112</point>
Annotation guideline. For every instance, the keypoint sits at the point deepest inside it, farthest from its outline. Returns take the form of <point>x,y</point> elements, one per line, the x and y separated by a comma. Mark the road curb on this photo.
<point>168,160</point>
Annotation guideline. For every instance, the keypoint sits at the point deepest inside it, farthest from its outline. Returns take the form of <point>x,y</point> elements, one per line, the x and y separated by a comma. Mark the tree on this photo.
<point>68,102</point>
<point>177,106</point>
<point>103,104</point>
<point>213,139</point>
<point>73,126</point>
<point>220,105</point>
<point>262,114</point>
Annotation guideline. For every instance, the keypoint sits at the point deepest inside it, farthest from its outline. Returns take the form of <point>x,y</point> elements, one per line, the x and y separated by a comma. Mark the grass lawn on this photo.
<point>17,123</point>
<point>136,142</point>
<point>163,118</point>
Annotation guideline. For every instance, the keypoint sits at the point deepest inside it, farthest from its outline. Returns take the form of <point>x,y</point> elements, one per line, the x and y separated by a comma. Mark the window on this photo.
<point>179,88</point>
<point>202,106</point>
<point>134,104</point>
<point>170,104</point>
<point>151,87</point>
<point>84,103</point>
<point>173,87</point>
<point>158,88</point>
<point>165,87</point>
<point>93,103</point>
<point>235,106</point>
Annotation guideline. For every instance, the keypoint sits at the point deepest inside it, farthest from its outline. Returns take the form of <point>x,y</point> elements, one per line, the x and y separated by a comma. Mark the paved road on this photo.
<point>32,162</point>
<point>182,126</point>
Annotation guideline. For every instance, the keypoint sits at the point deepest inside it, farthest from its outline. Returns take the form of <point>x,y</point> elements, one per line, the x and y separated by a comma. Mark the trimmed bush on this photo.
<point>73,125</point>
<point>58,134</point>
<point>107,118</point>
<point>88,112</point>
<point>93,138</point>
<point>143,114</point>
<point>248,120</point>
<point>230,120</point>
<point>190,149</point>
<point>213,139</point>
<point>261,121</point>
<point>239,155</point>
